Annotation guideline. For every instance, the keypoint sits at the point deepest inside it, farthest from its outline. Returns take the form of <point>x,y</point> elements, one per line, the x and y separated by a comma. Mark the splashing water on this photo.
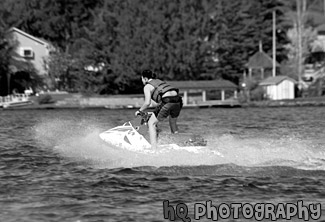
<point>79,141</point>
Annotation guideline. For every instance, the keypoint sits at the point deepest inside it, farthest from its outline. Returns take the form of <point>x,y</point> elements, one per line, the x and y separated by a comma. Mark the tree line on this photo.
<point>178,39</point>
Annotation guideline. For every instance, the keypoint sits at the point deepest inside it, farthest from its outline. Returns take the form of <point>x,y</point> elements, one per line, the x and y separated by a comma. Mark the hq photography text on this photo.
<point>258,211</point>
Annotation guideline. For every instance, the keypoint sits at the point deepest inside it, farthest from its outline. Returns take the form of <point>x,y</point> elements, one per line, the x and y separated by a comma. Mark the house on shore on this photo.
<point>32,49</point>
<point>28,61</point>
<point>207,92</point>
<point>279,87</point>
<point>31,54</point>
<point>274,87</point>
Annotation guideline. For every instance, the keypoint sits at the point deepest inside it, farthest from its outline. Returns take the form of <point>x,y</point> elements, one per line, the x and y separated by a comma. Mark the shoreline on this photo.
<point>77,101</point>
<point>298,102</point>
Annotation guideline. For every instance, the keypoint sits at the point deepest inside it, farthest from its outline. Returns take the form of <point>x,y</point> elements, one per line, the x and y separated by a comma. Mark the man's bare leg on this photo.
<point>152,125</point>
<point>173,124</point>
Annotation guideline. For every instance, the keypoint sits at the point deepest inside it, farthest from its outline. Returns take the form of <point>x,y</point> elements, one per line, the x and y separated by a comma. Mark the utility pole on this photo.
<point>274,44</point>
<point>8,83</point>
<point>299,38</point>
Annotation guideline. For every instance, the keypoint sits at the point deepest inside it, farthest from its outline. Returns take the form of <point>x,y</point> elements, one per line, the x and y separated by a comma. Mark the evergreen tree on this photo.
<point>180,40</point>
<point>239,26</point>
<point>5,54</point>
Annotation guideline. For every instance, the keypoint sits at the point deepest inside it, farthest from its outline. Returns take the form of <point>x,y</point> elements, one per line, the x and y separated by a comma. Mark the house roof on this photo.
<point>275,80</point>
<point>204,84</point>
<point>260,60</point>
<point>43,42</point>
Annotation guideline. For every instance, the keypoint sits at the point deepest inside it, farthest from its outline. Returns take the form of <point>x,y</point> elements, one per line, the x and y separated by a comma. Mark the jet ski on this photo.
<point>132,136</point>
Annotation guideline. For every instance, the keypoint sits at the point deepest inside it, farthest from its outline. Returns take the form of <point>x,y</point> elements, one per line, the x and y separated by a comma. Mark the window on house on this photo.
<point>27,52</point>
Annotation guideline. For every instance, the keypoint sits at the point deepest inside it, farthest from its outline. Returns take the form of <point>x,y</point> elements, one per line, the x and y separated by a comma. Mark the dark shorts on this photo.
<point>170,106</point>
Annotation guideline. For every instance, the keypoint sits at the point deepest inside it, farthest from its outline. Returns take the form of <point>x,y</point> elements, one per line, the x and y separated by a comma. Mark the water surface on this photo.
<point>54,167</point>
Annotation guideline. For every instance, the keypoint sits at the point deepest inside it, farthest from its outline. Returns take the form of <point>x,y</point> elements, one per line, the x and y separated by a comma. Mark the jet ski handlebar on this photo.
<point>145,116</point>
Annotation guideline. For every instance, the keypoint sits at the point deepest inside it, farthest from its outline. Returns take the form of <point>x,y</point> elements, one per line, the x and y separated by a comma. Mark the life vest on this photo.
<point>161,88</point>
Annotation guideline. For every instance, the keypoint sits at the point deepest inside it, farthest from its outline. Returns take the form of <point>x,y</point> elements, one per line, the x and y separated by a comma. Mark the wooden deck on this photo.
<point>14,101</point>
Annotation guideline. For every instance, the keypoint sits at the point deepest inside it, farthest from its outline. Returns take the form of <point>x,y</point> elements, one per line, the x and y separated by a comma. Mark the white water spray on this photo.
<point>79,141</point>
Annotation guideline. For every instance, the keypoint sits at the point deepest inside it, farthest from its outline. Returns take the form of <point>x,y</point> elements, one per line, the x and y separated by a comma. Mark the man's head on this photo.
<point>146,75</point>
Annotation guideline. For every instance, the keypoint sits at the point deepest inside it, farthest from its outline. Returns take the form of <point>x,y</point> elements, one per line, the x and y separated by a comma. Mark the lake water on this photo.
<point>54,167</point>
